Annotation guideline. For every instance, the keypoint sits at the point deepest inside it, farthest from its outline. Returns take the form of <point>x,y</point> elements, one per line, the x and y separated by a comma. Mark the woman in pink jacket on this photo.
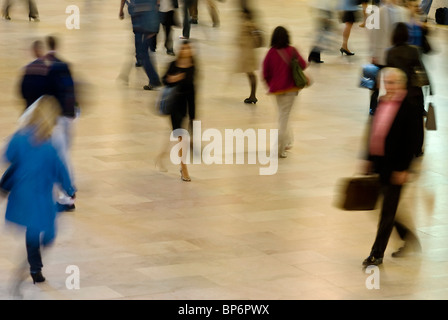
<point>277,73</point>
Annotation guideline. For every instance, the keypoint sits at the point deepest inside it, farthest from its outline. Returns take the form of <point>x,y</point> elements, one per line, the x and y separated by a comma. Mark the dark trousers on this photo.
<point>145,42</point>
<point>186,21</point>
<point>167,19</point>
<point>34,239</point>
<point>391,197</point>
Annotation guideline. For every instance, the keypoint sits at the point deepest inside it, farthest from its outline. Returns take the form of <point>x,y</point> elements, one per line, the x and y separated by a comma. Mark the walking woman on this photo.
<point>247,60</point>
<point>278,76</point>
<point>181,73</point>
<point>36,168</point>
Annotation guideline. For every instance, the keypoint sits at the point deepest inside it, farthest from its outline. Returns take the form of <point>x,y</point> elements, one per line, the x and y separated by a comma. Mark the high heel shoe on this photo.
<point>6,16</point>
<point>250,100</point>
<point>186,179</point>
<point>37,277</point>
<point>346,52</point>
<point>34,18</point>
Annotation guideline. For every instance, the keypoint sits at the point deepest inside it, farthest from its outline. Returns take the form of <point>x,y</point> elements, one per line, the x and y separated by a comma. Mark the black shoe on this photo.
<point>314,57</point>
<point>37,277</point>
<point>138,64</point>
<point>346,52</point>
<point>170,52</point>
<point>193,21</point>
<point>250,100</point>
<point>65,207</point>
<point>151,87</point>
<point>372,261</point>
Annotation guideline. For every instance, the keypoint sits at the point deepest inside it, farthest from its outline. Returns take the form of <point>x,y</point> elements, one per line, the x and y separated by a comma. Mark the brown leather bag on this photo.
<point>359,193</point>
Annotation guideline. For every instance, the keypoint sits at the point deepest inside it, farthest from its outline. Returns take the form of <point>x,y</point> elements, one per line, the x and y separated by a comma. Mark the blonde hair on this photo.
<point>44,117</point>
<point>402,77</point>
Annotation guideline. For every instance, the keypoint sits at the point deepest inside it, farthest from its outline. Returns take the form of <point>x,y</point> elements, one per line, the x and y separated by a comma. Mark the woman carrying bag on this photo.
<point>279,78</point>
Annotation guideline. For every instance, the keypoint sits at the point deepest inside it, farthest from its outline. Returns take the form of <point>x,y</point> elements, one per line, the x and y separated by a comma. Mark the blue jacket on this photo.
<point>37,168</point>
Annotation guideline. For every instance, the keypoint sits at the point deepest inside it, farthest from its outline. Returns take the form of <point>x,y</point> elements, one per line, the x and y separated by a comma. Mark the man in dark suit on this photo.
<point>392,144</point>
<point>34,82</point>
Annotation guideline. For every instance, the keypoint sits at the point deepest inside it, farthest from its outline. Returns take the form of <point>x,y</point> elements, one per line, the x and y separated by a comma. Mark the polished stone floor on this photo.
<point>231,233</point>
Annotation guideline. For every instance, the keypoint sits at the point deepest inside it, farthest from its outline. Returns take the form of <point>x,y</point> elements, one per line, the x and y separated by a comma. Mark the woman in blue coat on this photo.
<point>35,168</point>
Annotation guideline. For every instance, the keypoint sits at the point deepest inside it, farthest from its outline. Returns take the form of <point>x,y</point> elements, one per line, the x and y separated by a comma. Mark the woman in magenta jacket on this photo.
<point>278,76</point>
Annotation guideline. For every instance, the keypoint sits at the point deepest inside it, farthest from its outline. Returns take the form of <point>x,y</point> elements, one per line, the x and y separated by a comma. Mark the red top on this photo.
<point>277,73</point>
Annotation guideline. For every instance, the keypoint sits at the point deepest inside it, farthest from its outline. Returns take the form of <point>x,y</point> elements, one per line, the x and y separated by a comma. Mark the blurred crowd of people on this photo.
<point>38,152</point>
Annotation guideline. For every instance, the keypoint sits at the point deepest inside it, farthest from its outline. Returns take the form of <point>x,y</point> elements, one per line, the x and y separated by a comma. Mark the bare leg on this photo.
<point>346,35</point>
<point>364,15</point>
<point>183,167</point>
<point>253,88</point>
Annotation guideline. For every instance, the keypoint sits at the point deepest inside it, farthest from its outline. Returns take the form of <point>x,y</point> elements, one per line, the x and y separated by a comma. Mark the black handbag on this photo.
<point>359,193</point>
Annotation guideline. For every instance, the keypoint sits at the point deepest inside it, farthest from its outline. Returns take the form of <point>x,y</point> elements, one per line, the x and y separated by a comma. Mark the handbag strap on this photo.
<point>282,55</point>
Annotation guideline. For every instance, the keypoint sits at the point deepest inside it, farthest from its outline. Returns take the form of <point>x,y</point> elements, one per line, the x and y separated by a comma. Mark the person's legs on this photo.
<point>33,12</point>
<point>167,26</point>
<point>5,9</point>
<point>346,36</point>
<point>151,72</point>
<point>186,22</point>
<point>285,138</point>
<point>391,197</point>
<point>32,239</point>
<point>253,88</point>
<point>213,11</point>
<point>194,12</point>
<point>138,41</point>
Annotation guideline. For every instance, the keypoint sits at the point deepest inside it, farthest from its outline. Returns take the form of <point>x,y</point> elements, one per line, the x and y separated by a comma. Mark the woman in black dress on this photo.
<point>181,73</point>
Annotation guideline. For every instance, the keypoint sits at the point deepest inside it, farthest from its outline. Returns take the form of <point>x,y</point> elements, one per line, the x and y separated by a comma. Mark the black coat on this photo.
<point>401,141</point>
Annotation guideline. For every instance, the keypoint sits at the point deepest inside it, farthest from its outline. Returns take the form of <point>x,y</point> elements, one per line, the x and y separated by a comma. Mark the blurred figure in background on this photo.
<point>33,13</point>
<point>278,76</point>
<point>34,82</point>
<point>145,25</point>
<point>61,86</point>
<point>349,17</point>
<point>392,144</point>
<point>167,19</point>
<point>182,73</point>
<point>186,24</point>
<point>212,10</point>
<point>323,10</point>
<point>247,61</point>
<point>380,39</point>
<point>425,6</point>
<point>36,169</point>
<point>407,58</point>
